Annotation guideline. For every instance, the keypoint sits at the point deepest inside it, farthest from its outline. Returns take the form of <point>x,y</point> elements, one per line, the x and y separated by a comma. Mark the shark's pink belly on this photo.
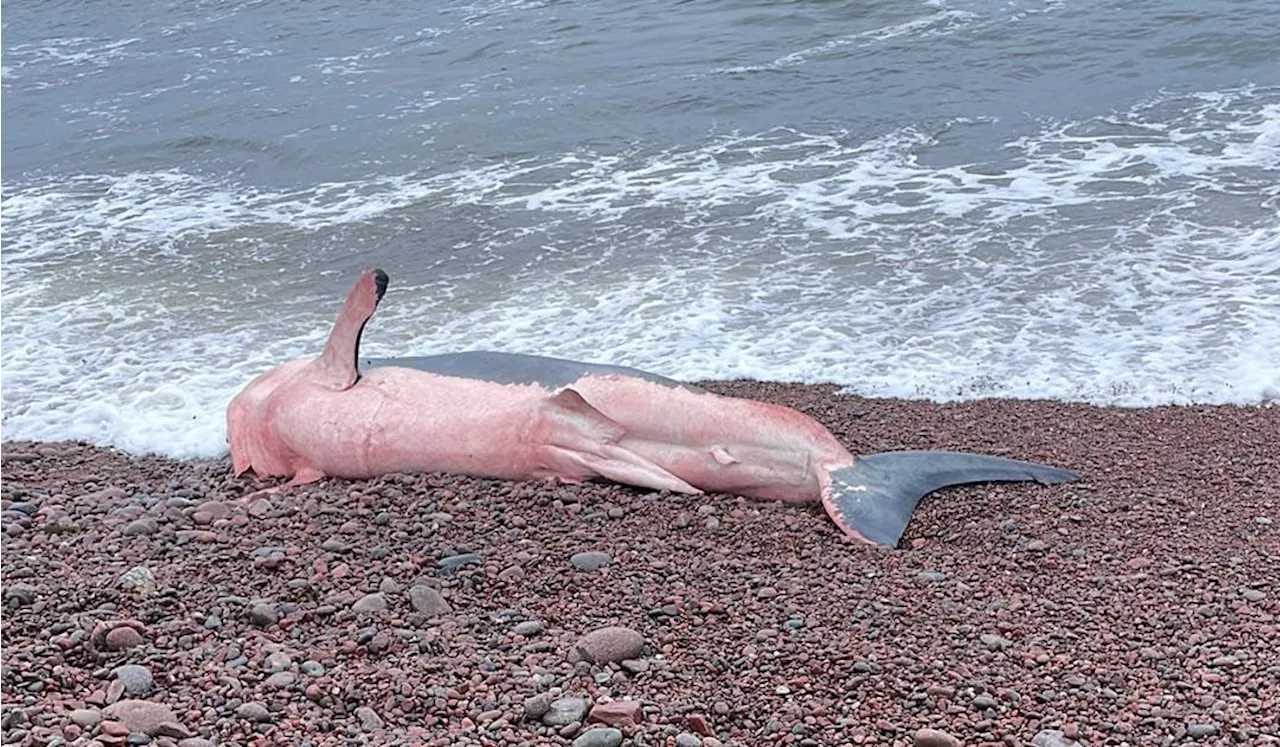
<point>716,443</point>
<point>397,420</point>
<point>403,420</point>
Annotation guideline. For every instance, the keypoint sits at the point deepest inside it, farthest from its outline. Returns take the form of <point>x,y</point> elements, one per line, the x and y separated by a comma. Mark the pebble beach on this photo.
<point>145,603</point>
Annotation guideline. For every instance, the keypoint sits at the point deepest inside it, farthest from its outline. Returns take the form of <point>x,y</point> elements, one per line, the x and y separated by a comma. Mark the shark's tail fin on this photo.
<point>873,500</point>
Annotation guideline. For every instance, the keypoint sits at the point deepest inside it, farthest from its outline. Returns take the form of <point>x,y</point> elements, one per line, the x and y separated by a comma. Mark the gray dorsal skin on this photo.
<point>877,495</point>
<point>515,368</point>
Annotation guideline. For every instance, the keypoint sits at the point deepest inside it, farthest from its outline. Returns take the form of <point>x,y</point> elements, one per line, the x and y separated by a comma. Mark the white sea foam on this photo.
<point>941,18</point>
<point>1132,259</point>
<point>938,23</point>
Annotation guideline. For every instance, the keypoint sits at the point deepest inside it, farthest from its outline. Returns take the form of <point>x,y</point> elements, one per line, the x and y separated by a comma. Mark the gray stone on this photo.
<point>277,662</point>
<point>137,679</point>
<point>994,642</point>
<point>140,527</point>
<point>606,645</point>
<point>1253,595</point>
<point>528,628</point>
<point>452,563</point>
<point>932,576</point>
<point>685,739</point>
<point>590,561</point>
<point>536,707</point>
<point>599,738</point>
<point>983,702</point>
<point>21,593</point>
<point>1200,731</point>
<point>280,680</point>
<point>312,668</point>
<point>428,601</point>
<point>370,603</point>
<point>335,545</point>
<point>253,712</point>
<point>369,719</point>
<point>564,711</point>
<point>264,615</point>
<point>86,718</point>
<point>1053,738</point>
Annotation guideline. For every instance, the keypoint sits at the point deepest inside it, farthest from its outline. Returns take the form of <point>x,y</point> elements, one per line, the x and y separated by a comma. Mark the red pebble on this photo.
<point>698,723</point>
<point>620,713</point>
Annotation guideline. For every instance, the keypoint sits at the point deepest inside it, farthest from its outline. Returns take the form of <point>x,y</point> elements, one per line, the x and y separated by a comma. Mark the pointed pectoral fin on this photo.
<point>723,457</point>
<point>588,439</point>
<point>621,465</point>
<point>303,476</point>
<point>569,407</point>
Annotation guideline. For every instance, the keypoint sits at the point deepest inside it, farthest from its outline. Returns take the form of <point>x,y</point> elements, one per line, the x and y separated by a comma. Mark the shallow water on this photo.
<point>1067,200</point>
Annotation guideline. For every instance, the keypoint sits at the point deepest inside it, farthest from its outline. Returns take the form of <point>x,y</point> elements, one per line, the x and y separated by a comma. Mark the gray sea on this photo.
<point>952,199</point>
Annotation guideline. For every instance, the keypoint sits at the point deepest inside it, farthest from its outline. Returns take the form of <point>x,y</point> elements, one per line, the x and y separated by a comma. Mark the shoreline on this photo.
<point>1134,606</point>
<point>778,392</point>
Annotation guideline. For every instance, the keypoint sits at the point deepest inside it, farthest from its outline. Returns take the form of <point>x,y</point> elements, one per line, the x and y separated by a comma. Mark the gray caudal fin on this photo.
<point>874,499</point>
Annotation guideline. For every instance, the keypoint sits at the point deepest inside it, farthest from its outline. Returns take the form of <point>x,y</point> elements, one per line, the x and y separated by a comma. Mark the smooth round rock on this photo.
<point>565,711</point>
<point>123,638</point>
<point>86,718</point>
<point>280,680</point>
<point>934,738</point>
<point>253,712</point>
<point>140,527</point>
<point>137,679</point>
<point>528,628</point>
<point>590,561</point>
<point>606,645</point>
<point>369,603</point>
<point>608,737</point>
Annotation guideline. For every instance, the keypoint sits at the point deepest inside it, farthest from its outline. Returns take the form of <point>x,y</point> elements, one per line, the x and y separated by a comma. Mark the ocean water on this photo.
<point>953,199</point>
